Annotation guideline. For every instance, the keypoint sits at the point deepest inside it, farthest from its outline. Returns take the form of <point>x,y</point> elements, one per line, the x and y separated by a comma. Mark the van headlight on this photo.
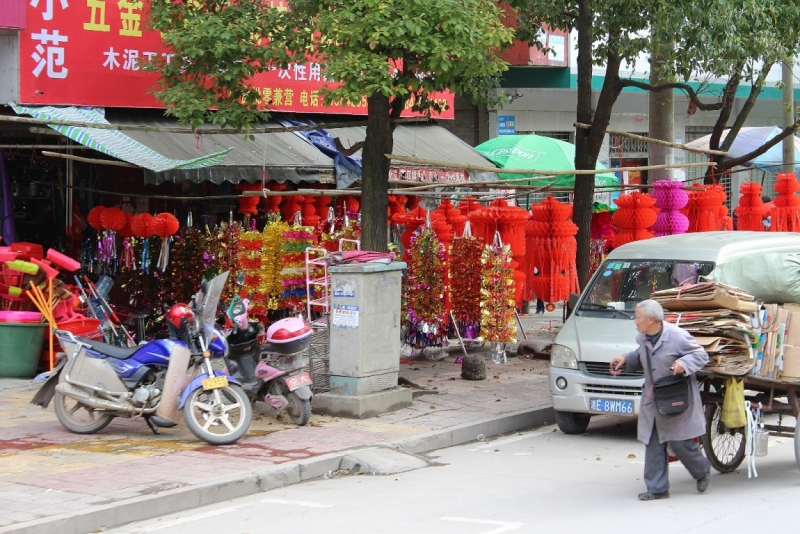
<point>561,356</point>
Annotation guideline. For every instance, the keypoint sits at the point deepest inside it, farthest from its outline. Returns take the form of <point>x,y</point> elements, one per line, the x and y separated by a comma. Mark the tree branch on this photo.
<point>741,117</point>
<point>686,88</point>
<point>731,163</point>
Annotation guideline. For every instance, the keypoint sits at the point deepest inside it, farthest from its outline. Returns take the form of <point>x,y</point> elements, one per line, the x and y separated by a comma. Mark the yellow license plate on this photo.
<point>215,383</point>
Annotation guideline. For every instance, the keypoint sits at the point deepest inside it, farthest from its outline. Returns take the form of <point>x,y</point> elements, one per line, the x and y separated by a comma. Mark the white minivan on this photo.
<point>600,325</point>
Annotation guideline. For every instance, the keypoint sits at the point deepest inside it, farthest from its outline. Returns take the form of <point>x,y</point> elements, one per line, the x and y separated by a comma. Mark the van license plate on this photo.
<point>611,406</point>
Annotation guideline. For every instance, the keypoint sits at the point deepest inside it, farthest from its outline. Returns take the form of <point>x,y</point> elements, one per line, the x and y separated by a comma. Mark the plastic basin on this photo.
<point>20,348</point>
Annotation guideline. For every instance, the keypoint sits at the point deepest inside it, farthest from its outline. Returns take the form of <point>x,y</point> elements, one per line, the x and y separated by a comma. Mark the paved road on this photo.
<point>537,481</point>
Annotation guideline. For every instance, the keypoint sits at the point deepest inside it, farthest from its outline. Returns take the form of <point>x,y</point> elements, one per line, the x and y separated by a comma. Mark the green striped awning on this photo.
<point>113,142</point>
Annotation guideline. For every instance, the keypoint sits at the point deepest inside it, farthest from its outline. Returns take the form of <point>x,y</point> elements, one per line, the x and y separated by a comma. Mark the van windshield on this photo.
<point>620,284</point>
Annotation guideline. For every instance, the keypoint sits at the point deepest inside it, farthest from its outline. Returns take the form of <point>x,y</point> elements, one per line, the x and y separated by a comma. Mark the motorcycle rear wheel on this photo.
<point>299,410</point>
<point>79,418</point>
<point>218,416</point>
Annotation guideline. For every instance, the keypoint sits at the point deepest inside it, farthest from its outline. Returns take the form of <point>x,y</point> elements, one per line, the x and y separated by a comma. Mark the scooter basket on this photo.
<point>243,349</point>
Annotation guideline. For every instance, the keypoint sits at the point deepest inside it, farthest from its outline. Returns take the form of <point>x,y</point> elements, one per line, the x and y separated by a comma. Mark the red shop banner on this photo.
<point>90,52</point>
<point>428,175</point>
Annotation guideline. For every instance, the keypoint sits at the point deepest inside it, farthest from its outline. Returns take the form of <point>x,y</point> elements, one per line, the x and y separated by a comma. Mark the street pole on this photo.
<point>661,113</point>
<point>788,114</point>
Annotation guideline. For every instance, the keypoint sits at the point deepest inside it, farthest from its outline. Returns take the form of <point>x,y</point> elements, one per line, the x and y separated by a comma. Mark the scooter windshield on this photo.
<point>208,311</point>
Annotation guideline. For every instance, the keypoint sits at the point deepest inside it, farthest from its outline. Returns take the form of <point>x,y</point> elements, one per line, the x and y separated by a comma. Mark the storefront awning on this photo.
<point>115,143</point>
<point>426,141</point>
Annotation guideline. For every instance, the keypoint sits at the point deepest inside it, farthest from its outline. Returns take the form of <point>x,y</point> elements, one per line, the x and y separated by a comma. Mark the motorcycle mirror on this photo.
<point>204,286</point>
<point>240,278</point>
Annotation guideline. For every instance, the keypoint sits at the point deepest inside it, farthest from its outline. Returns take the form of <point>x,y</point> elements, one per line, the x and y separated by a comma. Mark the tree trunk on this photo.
<point>584,184</point>
<point>375,174</point>
<point>661,110</point>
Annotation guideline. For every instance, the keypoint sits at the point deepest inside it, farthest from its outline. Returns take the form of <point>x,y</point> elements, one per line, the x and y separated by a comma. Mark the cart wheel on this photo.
<point>724,446</point>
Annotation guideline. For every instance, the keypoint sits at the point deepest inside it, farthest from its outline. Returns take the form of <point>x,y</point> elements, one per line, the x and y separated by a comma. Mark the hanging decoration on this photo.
<point>498,322</point>
<point>670,199</point>
<point>248,205</point>
<point>786,213</point>
<point>165,225</point>
<point>309,212</point>
<point>410,220</point>
<point>751,210</point>
<point>634,217</point>
<point>142,225</point>
<point>113,219</point>
<point>706,210</point>
<point>465,285</point>
<point>468,204</point>
<point>552,250</point>
<point>93,218</point>
<point>602,235</point>
<point>250,259</point>
<point>293,259</point>
<point>426,319</point>
<point>271,287</point>
<point>291,206</point>
<point>452,215</point>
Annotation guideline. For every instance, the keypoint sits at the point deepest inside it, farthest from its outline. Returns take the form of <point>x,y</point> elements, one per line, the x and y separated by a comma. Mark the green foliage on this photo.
<point>220,45</point>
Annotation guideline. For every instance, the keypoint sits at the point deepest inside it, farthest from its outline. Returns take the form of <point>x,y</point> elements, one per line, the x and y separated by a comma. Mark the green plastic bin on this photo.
<point>20,349</point>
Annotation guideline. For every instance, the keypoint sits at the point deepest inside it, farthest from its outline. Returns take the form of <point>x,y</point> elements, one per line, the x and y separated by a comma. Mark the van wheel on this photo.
<point>571,422</point>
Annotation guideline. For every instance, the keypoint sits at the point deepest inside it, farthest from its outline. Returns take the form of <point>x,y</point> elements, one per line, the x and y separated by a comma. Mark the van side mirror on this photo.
<point>572,303</point>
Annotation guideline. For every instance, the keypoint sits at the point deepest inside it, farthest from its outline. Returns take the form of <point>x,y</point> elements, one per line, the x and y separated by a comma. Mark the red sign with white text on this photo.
<point>90,52</point>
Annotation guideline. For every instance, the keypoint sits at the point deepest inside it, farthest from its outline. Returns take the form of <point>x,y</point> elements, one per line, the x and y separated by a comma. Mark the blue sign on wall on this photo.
<point>505,125</point>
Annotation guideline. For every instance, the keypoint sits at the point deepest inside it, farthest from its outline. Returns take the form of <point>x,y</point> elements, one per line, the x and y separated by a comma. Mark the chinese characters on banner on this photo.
<point>90,52</point>
<point>422,174</point>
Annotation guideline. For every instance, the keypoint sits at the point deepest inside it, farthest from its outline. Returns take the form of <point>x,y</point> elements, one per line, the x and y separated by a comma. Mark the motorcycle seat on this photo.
<point>121,353</point>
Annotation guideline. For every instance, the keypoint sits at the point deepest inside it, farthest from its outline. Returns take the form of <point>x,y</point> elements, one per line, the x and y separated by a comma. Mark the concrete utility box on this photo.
<point>364,341</point>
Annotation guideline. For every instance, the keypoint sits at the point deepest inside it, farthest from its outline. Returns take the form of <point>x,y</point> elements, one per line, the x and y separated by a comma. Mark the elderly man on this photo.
<point>666,349</point>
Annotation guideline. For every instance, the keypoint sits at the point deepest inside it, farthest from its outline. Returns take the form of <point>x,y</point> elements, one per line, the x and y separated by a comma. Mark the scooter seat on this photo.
<point>121,353</point>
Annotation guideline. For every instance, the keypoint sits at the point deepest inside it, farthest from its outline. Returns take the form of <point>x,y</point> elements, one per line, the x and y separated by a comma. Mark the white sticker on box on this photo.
<point>345,316</point>
<point>344,288</point>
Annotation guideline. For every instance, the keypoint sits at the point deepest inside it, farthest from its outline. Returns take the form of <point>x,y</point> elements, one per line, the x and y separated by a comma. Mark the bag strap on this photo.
<point>647,369</point>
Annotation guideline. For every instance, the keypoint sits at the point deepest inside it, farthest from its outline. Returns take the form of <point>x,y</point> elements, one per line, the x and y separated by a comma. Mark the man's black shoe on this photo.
<point>702,483</point>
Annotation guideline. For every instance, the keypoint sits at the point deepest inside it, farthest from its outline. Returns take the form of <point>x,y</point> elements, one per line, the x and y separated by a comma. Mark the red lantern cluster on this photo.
<point>452,215</point>
<point>706,209</point>
<point>551,250</point>
<point>786,213</point>
<point>290,206</point>
<point>751,211</point>
<point>635,216</point>
<point>310,216</point>
<point>411,220</point>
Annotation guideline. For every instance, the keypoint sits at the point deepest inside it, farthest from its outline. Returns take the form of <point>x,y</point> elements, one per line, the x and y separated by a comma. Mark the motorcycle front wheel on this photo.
<point>218,416</point>
<point>79,418</point>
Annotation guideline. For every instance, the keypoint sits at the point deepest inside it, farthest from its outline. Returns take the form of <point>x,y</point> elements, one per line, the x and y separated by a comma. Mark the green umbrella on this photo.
<point>536,152</point>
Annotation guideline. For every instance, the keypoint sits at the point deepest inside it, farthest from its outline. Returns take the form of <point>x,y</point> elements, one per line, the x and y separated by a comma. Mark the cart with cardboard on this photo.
<point>746,340</point>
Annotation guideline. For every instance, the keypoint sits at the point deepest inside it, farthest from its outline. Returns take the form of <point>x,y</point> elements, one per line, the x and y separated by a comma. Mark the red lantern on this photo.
<point>411,220</point>
<point>786,213</point>
<point>126,231</point>
<point>635,216</point>
<point>310,217</point>
<point>113,219</point>
<point>551,251</point>
<point>142,225</point>
<point>94,217</point>
<point>165,225</point>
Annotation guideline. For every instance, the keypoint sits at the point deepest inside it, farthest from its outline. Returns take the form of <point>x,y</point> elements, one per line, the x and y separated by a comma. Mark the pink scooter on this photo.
<point>281,368</point>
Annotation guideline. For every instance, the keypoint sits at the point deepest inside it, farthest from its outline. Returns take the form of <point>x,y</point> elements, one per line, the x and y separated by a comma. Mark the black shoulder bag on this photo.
<point>671,393</point>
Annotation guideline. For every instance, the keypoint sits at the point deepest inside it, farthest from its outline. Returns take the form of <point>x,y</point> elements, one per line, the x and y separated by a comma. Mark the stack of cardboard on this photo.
<point>721,320</point>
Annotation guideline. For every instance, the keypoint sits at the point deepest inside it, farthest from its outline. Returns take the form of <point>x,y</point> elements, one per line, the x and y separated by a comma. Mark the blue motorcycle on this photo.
<point>160,381</point>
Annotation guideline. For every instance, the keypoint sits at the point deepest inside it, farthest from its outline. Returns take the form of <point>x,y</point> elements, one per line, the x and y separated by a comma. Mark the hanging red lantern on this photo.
<point>165,225</point>
<point>310,217</point>
<point>126,231</point>
<point>786,213</point>
<point>670,199</point>
<point>113,219</point>
<point>636,214</point>
<point>551,251</point>
<point>751,210</point>
<point>94,217</point>
<point>411,220</point>
<point>142,225</point>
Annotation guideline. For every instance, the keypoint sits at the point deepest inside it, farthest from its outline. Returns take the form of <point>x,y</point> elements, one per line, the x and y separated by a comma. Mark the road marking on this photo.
<point>503,526</point>
<point>306,504</point>
<point>511,439</point>
<point>187,519</point>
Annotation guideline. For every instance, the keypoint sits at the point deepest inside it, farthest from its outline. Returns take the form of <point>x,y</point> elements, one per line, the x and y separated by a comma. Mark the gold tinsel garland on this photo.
<point>269,275</point>
<point>498,322</point>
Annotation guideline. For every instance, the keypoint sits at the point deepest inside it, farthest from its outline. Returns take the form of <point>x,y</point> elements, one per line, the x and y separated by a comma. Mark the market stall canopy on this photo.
<point>750,139</point>
<point>115,143</point>
<point>429,142</point>
<point>537,152</point>
<point>283,155</point>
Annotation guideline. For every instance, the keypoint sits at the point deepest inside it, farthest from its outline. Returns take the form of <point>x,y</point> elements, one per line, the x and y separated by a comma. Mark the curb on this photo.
<point>175,500</point>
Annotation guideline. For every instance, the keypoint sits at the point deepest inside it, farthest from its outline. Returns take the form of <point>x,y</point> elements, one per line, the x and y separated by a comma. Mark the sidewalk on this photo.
<point>125,473</point>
